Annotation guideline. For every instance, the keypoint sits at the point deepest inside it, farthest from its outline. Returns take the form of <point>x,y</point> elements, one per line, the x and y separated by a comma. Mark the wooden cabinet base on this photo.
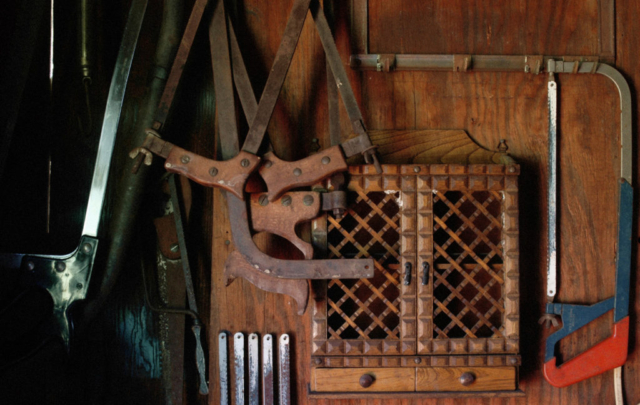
<point>477,379</point>
<point>483,381</point>
<point>351,379</point>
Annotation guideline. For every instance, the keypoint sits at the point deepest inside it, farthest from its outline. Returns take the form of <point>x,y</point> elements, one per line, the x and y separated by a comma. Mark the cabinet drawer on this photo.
<point>476,379</point>
<point>348,379</point>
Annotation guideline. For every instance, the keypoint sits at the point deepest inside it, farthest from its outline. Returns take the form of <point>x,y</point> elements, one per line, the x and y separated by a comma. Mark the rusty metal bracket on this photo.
<point>335,201</point>
<point>385,62</point>
<point>461,63</point>
<point>533,64</point>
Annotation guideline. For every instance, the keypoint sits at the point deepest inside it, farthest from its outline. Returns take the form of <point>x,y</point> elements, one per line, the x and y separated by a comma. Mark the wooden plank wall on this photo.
<point>490,107</point>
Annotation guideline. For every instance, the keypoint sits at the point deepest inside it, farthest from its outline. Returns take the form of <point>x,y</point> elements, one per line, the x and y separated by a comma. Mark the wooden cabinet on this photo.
<point>444,298</point>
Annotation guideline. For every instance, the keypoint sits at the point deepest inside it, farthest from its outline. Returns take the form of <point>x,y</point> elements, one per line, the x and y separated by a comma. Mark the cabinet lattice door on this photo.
<point>445,288</point>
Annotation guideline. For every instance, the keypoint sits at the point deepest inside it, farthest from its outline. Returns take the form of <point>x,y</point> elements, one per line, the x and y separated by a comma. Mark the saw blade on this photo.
<point>254,369</point>
<point>267,370</point>
<point>223,367</point>
<point>238,356</point>
<point>112,118</point>
<point>552,189</point>
<point>283,371</point>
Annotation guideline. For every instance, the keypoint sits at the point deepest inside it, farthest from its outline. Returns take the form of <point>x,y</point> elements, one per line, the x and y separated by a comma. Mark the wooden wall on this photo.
<point>490,107</point>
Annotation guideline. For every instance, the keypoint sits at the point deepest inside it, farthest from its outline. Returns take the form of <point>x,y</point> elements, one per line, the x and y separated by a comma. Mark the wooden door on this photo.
<point>468,245</point>
<point>374,316</point>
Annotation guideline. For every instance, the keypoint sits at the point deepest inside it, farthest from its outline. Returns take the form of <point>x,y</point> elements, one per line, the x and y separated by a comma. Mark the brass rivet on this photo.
<point>297,172</point>
<point>286,200</point>
<point>244,162</point>
<point>185,159</point>
<point>325,160</point>
<point>417,360</point>
<point>512,169</point>
<point>263,200</point>
<point>213,171</point>
<point>307,200</point>
<point>416,169</point>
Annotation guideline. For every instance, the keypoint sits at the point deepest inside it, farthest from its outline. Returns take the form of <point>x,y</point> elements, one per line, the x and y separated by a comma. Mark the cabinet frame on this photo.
<point>416,346</point>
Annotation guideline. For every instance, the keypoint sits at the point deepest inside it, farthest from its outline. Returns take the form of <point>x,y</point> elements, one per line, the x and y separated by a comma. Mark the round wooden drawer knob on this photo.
<point>366,380</point>
<point>467,379</point>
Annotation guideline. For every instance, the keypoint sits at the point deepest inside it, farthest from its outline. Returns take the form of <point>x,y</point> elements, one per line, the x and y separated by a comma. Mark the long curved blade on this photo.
<point>112,117</point>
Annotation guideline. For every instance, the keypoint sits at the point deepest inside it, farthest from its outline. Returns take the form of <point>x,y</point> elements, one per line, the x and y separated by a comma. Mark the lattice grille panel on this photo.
<point>366,308</point>
<point>468,278</point>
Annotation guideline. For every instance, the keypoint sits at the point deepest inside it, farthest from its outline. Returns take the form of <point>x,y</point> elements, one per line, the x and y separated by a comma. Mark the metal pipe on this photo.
<point>448,63</point>
<point>130,187</point>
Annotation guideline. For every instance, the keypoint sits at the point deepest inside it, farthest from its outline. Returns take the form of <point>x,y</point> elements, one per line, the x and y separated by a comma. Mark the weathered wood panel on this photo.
<point>571,27</point>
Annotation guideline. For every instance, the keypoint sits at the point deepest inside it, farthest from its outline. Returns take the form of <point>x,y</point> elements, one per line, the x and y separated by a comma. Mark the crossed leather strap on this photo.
<point>268,210</point>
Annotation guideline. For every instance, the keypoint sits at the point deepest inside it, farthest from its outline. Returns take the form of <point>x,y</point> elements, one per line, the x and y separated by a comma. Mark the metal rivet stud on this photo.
<point>286,200</point>
<point>79,286</point>
<point>244,163</point>
<point>60,267</point>
<point>417,360</point>
<point>297,172</point>
<point>263,200</point>
<point>308,200</point>
<point>416,169</point>
<point>317,361</point>
<point>213,171</point>
<point>512,169</point>
<point>185,159</point>
<point>325,160</point>
<point>31,266</point>
<point>268,164</point>
<point>86,248</point>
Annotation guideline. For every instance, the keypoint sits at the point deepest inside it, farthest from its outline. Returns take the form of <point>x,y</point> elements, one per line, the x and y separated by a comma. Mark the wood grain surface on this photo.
<point>448,379</point>
<point>489,107</point>
<point>348,379</point>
